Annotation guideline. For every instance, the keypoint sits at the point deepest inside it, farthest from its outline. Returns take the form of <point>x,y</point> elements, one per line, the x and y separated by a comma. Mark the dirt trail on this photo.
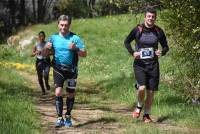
<point>85,119</point>
<point>90,113</point>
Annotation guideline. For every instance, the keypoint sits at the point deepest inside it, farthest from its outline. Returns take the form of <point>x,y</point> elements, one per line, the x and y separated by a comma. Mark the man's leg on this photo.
<point>140,97</point>
<point>46,77</point>
<point>148,101</point>
<point>141,84</point>
<point>40,76</point>
<point>70,102</point>
<point>58,81</point>
<point>152,86</point>
<point>59,101</point>
<point>148,104</point>
<point>71,85</point>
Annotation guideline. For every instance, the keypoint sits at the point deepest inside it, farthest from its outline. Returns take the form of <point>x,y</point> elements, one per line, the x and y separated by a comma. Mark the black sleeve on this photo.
<point>163,42</point>
<point>129,39</point>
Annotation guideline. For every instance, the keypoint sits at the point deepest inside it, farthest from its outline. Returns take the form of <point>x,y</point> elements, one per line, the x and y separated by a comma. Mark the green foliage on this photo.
<point>105,7</point>
<point>75,8</point>
<point>182,20</point>
<point>109,7</point>
<point>81,8</point>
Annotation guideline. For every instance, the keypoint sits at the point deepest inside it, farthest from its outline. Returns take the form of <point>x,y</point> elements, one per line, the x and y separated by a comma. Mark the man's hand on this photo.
<point>136,55</point>
<point>37,52</point>
<point>158,53</point>
<point>49,45</point>
<point>82,53</point>
<point>72,46</point>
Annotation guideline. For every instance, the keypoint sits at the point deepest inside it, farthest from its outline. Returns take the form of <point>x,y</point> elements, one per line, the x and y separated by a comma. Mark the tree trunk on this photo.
<point>34,11</point>
<point>40,10</point>
<point>11,6</point>
<point>22,12</point>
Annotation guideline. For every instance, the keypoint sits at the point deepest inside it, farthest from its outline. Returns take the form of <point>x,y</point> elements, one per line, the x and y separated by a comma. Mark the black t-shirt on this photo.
<point>147,38</point>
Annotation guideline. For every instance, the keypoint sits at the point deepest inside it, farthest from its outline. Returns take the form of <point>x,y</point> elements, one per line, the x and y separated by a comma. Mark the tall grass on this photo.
<point>17,115</point>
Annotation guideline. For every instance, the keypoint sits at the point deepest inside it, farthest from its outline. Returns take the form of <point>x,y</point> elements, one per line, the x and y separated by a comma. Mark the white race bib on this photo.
<point>146,53</point>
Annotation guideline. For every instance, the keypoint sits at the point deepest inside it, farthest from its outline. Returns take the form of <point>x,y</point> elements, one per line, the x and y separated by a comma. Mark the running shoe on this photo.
<point>68,122</point>
<point>146,118</point>
<point>136,112</point>
<point>59,122</point>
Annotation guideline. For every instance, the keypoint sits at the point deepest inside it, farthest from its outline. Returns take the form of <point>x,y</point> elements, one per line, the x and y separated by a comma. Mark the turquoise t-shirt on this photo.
<point>63,55</point>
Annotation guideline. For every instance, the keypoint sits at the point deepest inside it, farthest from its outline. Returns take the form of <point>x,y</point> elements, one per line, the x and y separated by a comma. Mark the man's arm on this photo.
<point>47,51</point>
<point>163,42</point>
<point>34,51</point>
<point>129,39</point>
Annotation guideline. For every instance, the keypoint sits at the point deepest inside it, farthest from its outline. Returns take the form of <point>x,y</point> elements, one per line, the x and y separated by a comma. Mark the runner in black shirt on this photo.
<point>146,65</point>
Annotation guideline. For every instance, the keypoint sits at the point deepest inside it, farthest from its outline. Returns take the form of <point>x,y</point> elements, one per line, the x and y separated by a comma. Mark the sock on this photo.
<point>140,104</point>
<point>146,111</point>
<point>59,105</point>
<point>70,103</point>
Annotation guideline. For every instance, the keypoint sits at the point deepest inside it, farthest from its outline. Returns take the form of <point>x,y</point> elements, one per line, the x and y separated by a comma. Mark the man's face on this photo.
<point>41,38</point>
<point>63,27</point>
<point>150,19</point>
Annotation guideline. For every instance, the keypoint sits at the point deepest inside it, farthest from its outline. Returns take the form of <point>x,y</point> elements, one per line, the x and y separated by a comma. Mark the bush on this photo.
<point>105,7</point>
<point>183,17</point>
<point>75,8</point>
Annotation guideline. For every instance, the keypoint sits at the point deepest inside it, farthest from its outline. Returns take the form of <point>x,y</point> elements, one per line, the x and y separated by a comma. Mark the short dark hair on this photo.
<point>41,33</point>
<point>65,18</point>
<point>150,10</point>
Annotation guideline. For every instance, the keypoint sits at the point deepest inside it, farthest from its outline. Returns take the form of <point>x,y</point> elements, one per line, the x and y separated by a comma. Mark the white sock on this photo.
<point>137,110</point>
<point>140,104</point>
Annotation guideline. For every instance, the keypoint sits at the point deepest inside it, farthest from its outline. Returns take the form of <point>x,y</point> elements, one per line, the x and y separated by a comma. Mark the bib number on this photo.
<point>146,53</point>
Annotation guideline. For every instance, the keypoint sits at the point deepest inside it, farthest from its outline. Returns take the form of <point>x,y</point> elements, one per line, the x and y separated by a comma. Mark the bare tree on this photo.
<point>11,6</point>
<point>22,12</point>
<point>34,11</point>
<point>43,7</point>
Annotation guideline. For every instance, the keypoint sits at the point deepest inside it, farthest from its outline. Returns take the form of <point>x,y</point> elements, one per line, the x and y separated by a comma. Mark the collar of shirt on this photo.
<point>61,35</point>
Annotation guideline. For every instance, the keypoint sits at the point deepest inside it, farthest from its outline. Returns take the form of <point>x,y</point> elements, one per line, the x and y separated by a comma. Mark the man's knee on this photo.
<point>46,72</point>
<point>150,93</point>
<point>46,75</point>
<point>141,88</point>
<point>58,91</point>
<point>71,87</point>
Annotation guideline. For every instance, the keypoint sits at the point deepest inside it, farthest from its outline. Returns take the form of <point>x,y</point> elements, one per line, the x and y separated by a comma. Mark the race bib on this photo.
<point>146,53</point>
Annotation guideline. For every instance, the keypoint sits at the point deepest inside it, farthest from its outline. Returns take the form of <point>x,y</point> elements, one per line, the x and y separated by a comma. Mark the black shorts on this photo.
<point>147,75</point>
<point>60,76</point>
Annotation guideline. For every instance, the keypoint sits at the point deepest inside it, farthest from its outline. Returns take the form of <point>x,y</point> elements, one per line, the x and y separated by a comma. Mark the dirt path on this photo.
<point>86,119</point>
<point>92,113</point>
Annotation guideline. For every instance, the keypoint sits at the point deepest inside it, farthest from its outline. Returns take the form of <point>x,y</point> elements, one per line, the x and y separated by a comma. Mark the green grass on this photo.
<point>109,66</point>
<point>17,114</point>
